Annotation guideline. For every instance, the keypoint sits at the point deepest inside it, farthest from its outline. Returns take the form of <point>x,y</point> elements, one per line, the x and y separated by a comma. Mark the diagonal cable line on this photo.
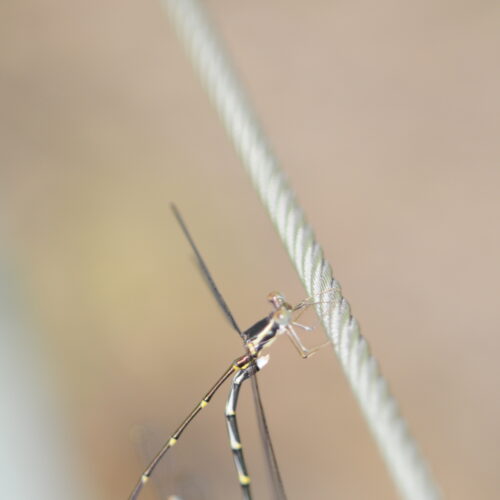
<point>403,459</point>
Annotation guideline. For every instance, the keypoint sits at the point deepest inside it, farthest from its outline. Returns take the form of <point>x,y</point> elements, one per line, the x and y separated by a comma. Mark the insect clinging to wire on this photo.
<point>282,320</point>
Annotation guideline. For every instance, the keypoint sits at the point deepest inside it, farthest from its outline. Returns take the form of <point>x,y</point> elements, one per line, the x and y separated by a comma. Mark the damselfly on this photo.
<point>281,320</point>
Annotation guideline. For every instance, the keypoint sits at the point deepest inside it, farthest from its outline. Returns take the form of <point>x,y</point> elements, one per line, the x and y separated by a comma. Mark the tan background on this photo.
<point>384,115</point>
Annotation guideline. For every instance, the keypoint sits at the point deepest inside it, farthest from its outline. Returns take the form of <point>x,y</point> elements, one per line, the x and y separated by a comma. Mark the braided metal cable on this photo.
<point>399,450</point>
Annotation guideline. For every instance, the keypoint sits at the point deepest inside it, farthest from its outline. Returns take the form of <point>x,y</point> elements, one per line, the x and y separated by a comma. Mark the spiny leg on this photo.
<point>311,299</point>
<point>301,348</point>
<point>304,327</point>
<point>232,428</point>
<point>303,307</point>
<point>176,435</point>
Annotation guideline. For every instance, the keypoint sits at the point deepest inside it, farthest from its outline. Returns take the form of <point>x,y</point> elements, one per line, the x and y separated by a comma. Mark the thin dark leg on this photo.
<point>232,427</point>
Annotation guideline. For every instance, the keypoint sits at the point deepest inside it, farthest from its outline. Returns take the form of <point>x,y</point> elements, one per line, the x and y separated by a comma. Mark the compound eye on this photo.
<point>276,299</point>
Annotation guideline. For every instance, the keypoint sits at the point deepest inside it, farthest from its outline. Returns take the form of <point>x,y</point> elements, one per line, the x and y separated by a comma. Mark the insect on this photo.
<point>281,320</point>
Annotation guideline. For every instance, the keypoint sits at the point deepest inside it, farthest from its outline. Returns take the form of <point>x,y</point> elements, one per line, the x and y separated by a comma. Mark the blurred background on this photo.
<point>384,115</point>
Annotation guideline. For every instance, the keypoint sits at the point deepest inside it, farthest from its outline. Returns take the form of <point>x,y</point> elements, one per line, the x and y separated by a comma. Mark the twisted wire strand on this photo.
<point>399,450</point>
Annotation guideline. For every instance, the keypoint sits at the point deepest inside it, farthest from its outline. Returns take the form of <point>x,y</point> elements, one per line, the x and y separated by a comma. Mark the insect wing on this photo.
<point>205,272</point>
<point>272,463</point>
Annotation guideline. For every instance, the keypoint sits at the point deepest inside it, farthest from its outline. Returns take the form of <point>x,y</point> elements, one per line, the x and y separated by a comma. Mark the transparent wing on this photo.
<point>167,478</point>
<point>272,463</point>
<point>145,443</point>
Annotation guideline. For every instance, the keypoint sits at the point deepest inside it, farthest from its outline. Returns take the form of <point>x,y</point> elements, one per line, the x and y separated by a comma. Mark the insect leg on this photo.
<point>301,348</point>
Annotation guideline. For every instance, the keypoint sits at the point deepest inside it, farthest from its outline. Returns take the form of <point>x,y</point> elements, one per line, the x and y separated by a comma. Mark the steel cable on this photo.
<point>399,450</point>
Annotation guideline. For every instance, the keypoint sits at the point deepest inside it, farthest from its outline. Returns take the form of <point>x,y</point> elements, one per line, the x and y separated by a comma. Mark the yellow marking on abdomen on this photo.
<point>203,403</point>
<point>236,445</point>
<point>144,479</point>
<point>172,441</point>
<point>244,480</point>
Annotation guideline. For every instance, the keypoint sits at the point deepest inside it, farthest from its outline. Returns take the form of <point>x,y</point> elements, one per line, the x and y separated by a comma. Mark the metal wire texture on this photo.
<point>399,450</point>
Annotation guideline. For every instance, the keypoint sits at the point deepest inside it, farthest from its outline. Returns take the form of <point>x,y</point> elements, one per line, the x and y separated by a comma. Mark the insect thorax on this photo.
<point>253,332</point>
